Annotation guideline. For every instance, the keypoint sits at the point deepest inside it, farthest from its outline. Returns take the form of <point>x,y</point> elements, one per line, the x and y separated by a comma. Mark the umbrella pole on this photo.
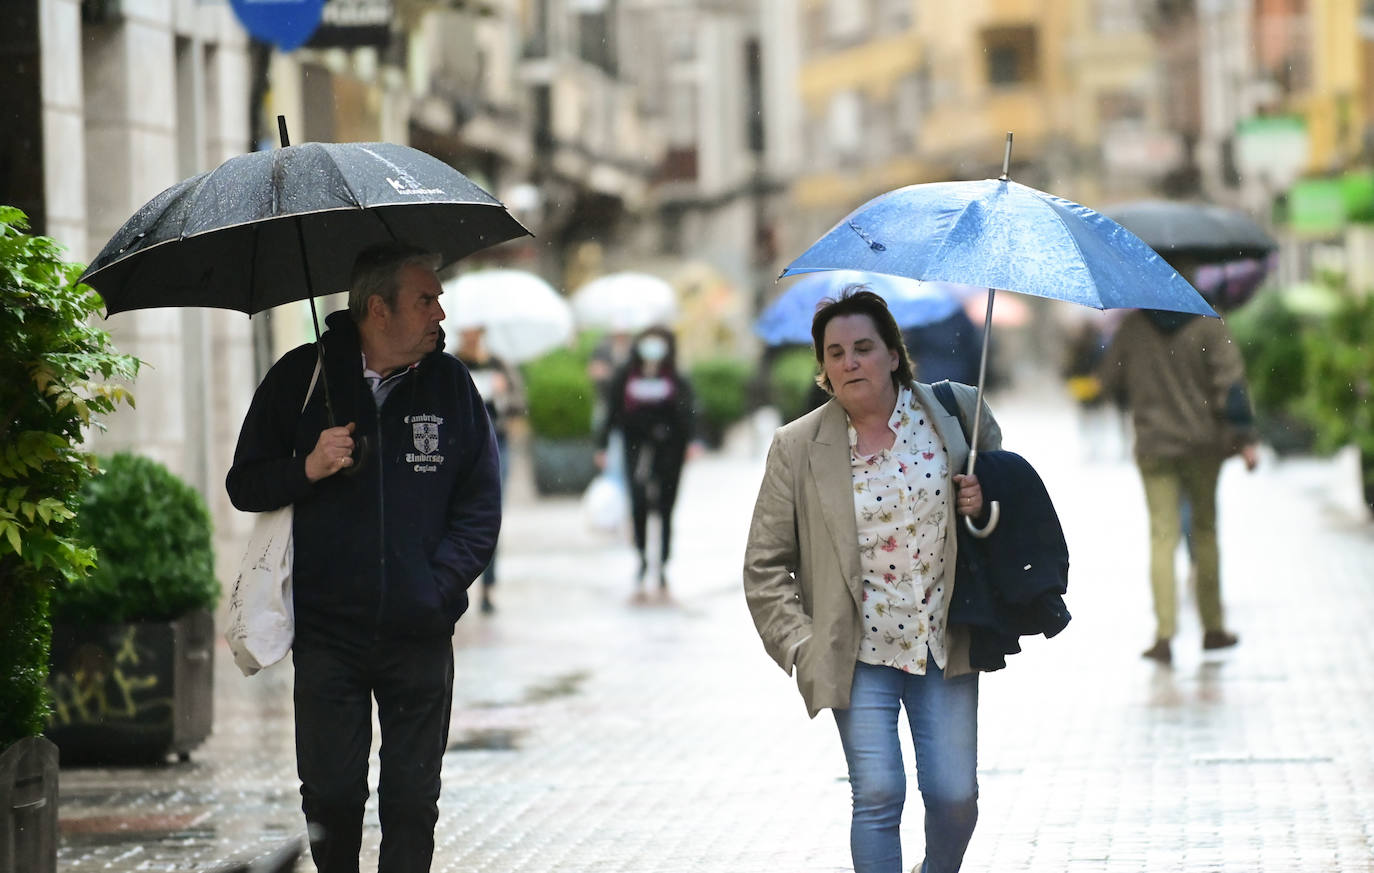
<point>309,287</point>
<point>994,508</point>
<point>315,320</point>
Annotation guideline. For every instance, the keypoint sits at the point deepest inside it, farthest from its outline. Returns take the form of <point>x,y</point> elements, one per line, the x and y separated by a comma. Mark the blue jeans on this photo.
<point>943,714</point>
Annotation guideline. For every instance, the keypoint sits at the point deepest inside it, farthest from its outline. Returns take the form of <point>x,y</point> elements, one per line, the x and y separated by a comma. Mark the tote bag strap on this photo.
<point>314,377</point>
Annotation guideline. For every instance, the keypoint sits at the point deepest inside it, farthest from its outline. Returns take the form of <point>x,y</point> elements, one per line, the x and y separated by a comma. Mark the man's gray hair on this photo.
<point>377,270</point>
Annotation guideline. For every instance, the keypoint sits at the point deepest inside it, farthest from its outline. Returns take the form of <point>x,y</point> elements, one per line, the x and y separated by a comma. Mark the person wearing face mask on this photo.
<point>651,404</point>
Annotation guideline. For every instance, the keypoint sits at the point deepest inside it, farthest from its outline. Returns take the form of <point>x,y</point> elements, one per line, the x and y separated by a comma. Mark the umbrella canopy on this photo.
<point>627,302</point>
<point>914,304</point>
<point>999,234</point>
<point>271,227</point>
<point>1197,231</point>
<point>523,315</point>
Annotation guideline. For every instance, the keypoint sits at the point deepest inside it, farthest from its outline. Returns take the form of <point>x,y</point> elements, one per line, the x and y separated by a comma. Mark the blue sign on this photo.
<point>287,24</point>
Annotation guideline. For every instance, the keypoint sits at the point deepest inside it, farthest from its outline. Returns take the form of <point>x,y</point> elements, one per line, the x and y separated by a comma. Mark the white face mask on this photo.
<point>653,348</point>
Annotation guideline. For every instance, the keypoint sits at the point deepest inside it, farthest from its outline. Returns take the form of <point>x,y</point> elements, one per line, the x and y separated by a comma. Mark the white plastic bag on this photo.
<point>261,615</point>
<point>605,504</point>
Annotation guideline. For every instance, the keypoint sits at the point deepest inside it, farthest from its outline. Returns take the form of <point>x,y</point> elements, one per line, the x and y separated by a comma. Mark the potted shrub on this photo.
<point>559,400</point>
<point>1270,336</point>
<point>54,384</point>
<point>1339,386</point>
<point>133,641</point>
<point>721,385</point>
<point>792,382</point>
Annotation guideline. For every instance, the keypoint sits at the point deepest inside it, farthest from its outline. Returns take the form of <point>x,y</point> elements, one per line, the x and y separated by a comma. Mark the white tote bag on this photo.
<point>262,620</point>
<point>605,504</point>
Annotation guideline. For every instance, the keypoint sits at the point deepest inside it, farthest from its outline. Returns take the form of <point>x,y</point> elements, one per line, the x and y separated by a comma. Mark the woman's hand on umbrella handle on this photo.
<point>970,504</point>
<point>968,500</point>
<point>333,451</point>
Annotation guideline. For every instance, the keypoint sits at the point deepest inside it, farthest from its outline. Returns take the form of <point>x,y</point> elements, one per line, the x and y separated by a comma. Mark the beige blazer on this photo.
<point>801,564</point>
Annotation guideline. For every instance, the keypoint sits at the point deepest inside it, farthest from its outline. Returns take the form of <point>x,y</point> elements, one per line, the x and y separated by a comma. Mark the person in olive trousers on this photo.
<point>1184,381</point>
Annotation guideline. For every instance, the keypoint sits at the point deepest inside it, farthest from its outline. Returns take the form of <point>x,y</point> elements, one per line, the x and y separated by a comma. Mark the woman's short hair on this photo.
<point>377,272</point>
<point>859,300</point>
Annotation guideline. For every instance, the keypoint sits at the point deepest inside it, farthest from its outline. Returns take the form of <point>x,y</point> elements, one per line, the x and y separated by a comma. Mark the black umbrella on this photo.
<point>1197,231</point>
<point>272,227</point>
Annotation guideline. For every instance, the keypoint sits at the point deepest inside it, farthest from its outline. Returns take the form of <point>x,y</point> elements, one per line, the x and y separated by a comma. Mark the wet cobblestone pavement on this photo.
<point>593,734</point>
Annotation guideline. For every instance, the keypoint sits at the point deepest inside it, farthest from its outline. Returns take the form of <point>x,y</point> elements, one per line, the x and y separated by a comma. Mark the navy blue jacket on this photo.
<point>389,549</point>
<point>1012,583</point>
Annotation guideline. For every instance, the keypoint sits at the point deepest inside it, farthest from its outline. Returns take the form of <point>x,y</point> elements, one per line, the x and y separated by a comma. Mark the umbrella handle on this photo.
<point>994,514</point>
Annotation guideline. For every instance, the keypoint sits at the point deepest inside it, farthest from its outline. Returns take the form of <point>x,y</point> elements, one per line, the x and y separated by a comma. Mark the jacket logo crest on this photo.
<point>426,436</point>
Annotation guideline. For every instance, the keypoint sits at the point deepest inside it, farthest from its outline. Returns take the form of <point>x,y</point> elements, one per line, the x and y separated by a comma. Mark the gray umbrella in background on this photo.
<point>1201,232</point>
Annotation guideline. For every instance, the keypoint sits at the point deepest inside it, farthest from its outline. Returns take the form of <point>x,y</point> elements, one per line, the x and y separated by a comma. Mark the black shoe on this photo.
<point>1219,639</point>
<point>1160,652</point>
<point>487,606</point>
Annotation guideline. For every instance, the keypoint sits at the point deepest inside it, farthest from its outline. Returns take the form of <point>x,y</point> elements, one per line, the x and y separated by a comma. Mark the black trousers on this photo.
<point>654,470</point>
<point>412,682</point>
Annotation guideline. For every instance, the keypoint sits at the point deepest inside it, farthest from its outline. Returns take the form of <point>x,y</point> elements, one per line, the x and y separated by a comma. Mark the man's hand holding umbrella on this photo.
<point>333,452</point>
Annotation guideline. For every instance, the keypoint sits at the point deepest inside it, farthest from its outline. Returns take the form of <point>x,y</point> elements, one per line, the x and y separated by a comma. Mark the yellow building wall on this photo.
<point>1334,108</point>
<point>970,119</point>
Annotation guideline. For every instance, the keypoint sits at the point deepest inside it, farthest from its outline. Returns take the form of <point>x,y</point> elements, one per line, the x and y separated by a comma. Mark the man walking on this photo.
<point>392,470</point>
<point>1184,381</point>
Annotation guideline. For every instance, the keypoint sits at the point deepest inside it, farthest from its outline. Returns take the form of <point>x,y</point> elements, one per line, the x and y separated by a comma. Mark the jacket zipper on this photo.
<point>381,522</point>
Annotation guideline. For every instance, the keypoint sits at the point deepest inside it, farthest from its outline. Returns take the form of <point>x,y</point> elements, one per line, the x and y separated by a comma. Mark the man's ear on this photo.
<point>376,307</point>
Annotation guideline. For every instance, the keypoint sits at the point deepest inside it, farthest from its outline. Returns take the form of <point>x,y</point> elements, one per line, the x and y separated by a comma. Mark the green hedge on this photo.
<point>153,539</point>
<point>1339,378</point>
<point>559,395</point>
<point>792,381</point>
<point>721,386</point>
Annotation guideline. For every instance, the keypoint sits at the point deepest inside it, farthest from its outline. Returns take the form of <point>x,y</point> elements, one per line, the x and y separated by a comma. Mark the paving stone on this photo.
<point>591,734</point>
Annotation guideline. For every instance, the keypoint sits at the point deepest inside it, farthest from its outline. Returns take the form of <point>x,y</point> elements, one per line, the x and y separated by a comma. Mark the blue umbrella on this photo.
<point>914,304</point>
<point>999,234</point>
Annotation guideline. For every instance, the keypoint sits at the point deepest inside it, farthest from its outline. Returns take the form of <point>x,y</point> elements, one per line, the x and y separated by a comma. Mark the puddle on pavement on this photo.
<point>559,686</point>
<point>486,740</point>
<point>507,737</point>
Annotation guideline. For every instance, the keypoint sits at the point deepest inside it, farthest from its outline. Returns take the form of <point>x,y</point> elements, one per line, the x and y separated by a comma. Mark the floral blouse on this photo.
<point>901,505</point>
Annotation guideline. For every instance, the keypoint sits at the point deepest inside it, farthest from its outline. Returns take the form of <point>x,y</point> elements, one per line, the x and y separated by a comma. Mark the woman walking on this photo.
<point>849,573</point>
<point>651,404</point>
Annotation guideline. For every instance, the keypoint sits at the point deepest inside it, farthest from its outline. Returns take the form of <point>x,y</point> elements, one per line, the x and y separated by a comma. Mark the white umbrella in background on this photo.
<point>523,315</point>
<point>625,302</point>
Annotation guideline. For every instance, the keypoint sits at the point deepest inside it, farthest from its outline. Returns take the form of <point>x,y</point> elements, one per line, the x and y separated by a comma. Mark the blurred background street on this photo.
<point>670,158</point>
<point>590,734</point>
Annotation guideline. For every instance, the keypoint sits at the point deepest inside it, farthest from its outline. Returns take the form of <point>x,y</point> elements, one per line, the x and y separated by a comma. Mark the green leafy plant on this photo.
<point>1270,337</point>
<point>559,395</point>
<point>1339,392</point>
<point>58,374</point>
<point>721,385</point>
<point>153,539</point>
<point>792,382</point>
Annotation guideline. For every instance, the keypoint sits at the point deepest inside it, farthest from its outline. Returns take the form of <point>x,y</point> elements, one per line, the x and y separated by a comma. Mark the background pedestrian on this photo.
<point>650,403</point>
<point>499,385</point>
<point>1184,381</point>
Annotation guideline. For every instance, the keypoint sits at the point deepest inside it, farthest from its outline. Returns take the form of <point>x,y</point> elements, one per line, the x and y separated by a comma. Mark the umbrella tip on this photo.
<point>281,131</point>
<point>1006,160</point>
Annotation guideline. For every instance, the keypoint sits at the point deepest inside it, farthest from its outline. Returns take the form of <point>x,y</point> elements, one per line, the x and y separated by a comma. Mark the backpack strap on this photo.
<point>944,392</point>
